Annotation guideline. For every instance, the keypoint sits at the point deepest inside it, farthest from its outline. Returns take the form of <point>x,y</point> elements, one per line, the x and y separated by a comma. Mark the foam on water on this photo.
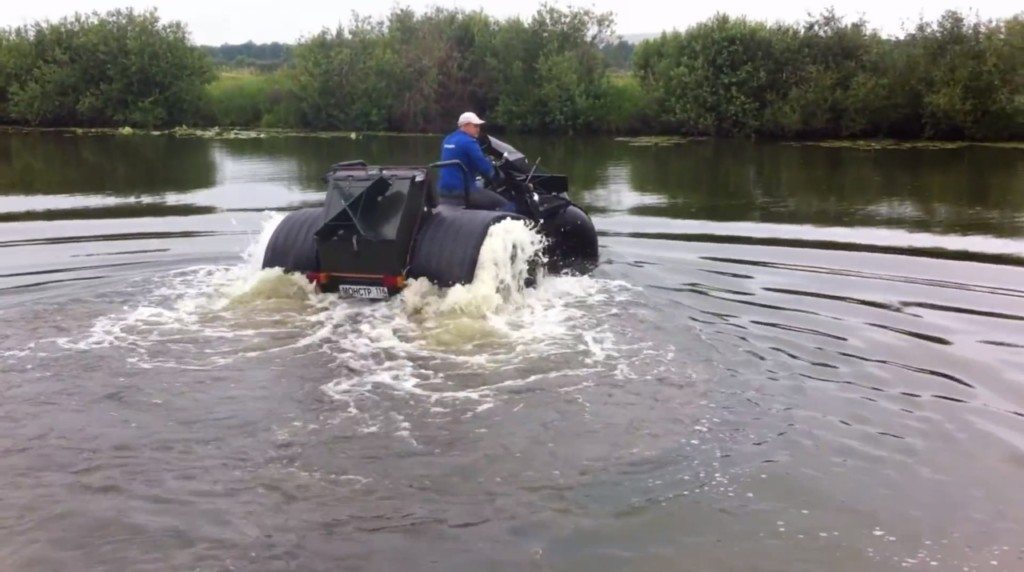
<point>458,343</point>
<point>212,315</point>
<point>441,343</point>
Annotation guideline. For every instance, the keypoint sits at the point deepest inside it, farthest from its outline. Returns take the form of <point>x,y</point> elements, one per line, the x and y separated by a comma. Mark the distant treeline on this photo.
<point>268,57</point>
<point>619,54</point>
<point>263,57</point>
<point>561,70</point>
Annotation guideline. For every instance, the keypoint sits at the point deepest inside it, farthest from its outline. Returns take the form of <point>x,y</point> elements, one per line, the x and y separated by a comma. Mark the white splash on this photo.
<point>441,342</point>
<point>460,344</point>
<point>509,252</point>
<point>218,310</point>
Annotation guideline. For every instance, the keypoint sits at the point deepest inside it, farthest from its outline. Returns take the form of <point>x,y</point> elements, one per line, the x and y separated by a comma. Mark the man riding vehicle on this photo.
<point>462,145</point>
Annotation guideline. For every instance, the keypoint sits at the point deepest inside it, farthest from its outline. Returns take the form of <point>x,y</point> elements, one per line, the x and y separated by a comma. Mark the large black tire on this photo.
<point>292,246</point>
<point>572,242</point>
<point>448,244</point>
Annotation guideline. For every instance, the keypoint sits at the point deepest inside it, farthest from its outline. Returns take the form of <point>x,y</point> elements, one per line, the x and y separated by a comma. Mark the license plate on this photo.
<point>376,292</point>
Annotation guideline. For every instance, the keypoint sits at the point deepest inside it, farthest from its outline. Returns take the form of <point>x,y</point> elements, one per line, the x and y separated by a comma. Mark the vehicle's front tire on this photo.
<point>572,242</point>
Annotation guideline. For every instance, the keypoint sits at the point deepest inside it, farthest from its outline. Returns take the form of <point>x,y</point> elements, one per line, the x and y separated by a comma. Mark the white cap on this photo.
<point>470,117</point>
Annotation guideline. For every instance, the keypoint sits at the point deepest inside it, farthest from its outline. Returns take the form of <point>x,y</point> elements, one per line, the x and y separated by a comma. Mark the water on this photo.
<point>791,358</point>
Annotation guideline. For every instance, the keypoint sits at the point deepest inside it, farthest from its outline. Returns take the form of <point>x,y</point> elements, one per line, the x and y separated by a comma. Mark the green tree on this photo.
<point>344,78</point>
<point>119,68</point>
<point>719,77</point>
<point>973,89</point>
<point>417,72</point>
<point>955,78</point>
<point>828,56</point>
<point>554,73</point>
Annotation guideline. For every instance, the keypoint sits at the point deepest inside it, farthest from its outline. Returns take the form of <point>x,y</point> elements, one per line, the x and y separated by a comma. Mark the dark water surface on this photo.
<point>791,358</point>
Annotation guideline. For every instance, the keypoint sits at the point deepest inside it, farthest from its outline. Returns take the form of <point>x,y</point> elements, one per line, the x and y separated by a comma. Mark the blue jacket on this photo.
<point>460,145</point>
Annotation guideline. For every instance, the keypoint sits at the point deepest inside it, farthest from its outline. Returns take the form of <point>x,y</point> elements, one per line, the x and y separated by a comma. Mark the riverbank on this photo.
<point>862,144</point>
<point>205,132</point>
<point>635,141</point>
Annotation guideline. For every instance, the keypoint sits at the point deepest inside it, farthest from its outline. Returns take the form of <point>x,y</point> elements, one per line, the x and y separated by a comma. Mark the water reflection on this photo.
<point>307,158</point>
<point>57,164</point>
<point>966,190</point>
<point>969,190</point>
<point>127,210</point>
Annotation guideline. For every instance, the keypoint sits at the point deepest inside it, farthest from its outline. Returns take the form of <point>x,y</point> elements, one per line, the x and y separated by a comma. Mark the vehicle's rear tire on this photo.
<point>293,246</point>
<point>448,244</point>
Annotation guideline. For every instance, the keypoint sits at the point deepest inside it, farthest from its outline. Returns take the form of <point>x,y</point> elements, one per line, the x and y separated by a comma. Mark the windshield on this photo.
<point>505,149</point>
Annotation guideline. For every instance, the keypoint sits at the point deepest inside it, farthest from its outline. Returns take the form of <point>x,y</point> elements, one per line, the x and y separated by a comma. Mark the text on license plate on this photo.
<point>349,291</point>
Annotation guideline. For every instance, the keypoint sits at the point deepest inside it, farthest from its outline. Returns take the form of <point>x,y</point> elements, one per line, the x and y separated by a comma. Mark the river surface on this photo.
<point>791,358</point>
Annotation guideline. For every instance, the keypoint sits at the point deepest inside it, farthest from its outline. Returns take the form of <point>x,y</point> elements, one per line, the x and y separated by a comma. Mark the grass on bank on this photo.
<point>251,99</point>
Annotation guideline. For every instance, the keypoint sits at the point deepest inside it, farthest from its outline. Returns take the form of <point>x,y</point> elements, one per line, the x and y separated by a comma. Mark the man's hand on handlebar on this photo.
<point>498,179</point>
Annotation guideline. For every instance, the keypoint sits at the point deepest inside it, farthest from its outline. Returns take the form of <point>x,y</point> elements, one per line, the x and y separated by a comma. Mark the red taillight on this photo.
<point>394,282</point>
<point>317,277</point>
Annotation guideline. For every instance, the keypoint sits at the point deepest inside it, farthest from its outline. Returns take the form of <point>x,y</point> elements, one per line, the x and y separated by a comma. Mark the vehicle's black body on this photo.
<point>382,225</point>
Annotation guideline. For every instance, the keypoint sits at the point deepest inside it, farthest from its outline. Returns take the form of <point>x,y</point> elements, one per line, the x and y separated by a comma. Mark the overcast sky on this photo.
<point>236,21</point>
